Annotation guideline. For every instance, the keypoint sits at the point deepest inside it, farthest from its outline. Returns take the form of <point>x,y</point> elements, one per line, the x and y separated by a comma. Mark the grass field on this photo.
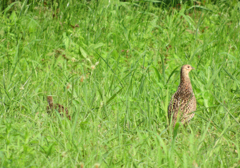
<point>115,65</point>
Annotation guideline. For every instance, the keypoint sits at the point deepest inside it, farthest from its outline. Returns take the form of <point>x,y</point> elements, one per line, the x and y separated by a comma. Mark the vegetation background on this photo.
<point>115,65</point>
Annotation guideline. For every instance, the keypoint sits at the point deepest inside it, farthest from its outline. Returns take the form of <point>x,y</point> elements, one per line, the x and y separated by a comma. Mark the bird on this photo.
<point>183,102</point>
<point>60,108</point>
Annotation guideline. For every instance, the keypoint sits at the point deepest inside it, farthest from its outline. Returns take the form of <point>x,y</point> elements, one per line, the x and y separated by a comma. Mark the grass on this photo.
<point>115,66</point>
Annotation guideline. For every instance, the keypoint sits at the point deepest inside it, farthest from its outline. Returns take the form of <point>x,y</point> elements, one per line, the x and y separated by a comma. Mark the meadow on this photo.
<point>115,65</point>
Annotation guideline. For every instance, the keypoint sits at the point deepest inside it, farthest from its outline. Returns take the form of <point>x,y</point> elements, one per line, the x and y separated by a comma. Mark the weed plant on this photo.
<point>115,66</point>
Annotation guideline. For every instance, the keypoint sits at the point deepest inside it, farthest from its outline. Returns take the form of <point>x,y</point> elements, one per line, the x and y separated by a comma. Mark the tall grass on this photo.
<point>115,66</point>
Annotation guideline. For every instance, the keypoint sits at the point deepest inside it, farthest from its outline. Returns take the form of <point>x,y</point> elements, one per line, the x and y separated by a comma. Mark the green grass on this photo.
<point>115,66</point>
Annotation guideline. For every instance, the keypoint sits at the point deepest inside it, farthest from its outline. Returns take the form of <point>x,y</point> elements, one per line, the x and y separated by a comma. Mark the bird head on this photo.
<point>50,100</point>
<point>186,69</point>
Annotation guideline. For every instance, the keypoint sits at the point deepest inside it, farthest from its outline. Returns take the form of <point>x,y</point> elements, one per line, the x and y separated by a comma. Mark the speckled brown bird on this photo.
<point>58,107</point>
<point>183,102</point>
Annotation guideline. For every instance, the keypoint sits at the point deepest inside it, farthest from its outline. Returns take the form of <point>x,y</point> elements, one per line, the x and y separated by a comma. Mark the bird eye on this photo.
<point>188,67</point>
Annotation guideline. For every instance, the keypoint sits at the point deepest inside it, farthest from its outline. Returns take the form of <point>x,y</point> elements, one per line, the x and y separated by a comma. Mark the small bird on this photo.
<point>57,107</point>
<point>183,102</point>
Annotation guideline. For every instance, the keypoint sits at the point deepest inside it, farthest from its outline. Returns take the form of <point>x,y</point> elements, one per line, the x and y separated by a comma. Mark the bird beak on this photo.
<point>193,68</point>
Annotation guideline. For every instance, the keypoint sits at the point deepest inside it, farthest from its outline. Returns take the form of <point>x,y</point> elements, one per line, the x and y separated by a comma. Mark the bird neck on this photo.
<point>185,82</point>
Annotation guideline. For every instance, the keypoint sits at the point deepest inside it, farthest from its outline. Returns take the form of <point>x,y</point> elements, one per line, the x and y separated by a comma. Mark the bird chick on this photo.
<point>57,107</point>
<point>183,102</point>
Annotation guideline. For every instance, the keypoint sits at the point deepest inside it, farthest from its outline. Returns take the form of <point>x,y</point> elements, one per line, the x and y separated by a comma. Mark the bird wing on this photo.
<point>173,107</point>
<point>188,106</point>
